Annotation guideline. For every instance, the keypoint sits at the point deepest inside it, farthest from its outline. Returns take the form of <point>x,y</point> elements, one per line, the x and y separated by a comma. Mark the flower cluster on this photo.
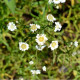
<point>36,71</point>
<point>51,18</point>
<point>41,39</point>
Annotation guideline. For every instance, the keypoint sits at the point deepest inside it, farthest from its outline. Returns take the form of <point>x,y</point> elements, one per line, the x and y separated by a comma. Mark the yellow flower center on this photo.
<point>23,46</point>
<point>57,26</point>
<point>53,44</point>
<point>12,27</point>
<point>50,17</point>
<point>33,27</point>
<point>41,39</point>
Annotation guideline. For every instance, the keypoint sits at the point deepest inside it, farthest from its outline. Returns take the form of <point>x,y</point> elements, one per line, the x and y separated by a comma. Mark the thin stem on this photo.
<point>54,57</point>
<point>36,58</point>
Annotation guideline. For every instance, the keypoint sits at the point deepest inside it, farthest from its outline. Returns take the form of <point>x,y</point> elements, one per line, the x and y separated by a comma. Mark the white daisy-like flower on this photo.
<point>50,18</point>
<point>35,72</point>
<point>41,39</point>
<point>23,46</point>
<point>57,26</point>
<point>38,71</point>
<point>31,62</point>
<point>54,45</point>
<point>44,68</point>
<point>62,1</point>
<point>75,43</point>
<point>40,48</point>
<point>34,27</point>
<point>50,1</point>
<point>11,26</point>
<point>56,1</point>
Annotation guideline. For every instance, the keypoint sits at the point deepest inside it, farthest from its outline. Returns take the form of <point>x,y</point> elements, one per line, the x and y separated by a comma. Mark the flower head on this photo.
<point>31,62</point>
<point>40,48</point>
<point>38,71</point>
<point>50,18</point>
<point>11,26</point>
<point>35,72</point>
<point>23,46</point>
<point>57,26</point>
<point>54,45</point>
<point>56,1</point>
<point>75,43</point>
<point>50,1</point>
<point>57,7</point>
<point>34,27</point>
<point>41,39</point>
<point>44,68</point>
<point>62,1</point>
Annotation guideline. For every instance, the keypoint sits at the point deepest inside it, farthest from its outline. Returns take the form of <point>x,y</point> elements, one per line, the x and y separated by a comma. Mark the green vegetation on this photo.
<point>61,64</point>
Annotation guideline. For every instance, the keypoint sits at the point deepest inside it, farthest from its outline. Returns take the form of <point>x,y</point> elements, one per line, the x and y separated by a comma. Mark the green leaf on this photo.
<point>79,0</point>
<point>11,4</point>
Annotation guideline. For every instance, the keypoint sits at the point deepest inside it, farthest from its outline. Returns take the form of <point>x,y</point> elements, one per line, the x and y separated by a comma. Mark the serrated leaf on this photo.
<point>11,4</point>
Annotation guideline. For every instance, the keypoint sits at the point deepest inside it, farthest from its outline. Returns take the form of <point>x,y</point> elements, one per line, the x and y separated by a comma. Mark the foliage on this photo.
<point>60,63</point>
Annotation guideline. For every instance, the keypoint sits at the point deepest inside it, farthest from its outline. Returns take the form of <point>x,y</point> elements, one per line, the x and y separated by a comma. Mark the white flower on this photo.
<point>78,51</point>
<point>35,72</point>
<point>23,46</point>
<point>40,48</point>
<point>71,43</point>
<point>21,78</point>
<point>38,71</point>
<point>17,22</point>
<point>74,53</point>
<point>57,7</point>
<point>34,27</point>
<point>62,1</point>
<point>75,43</point>
<point>11,26</point>
<point>54,45</point>
<point>56,1</point>
<point>41,39</point>
<point>50,1</point>
<point>44,68</point>
<point>31,62</point>
<point>57,26</point>
<point>51,18</point>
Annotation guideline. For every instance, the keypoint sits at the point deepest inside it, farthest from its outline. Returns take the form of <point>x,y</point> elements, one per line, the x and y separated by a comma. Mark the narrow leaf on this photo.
<point>11,4</point>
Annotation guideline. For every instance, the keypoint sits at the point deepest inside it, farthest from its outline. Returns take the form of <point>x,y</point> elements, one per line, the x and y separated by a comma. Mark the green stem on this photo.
<point>36,58</point>
<point>54,57</point>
